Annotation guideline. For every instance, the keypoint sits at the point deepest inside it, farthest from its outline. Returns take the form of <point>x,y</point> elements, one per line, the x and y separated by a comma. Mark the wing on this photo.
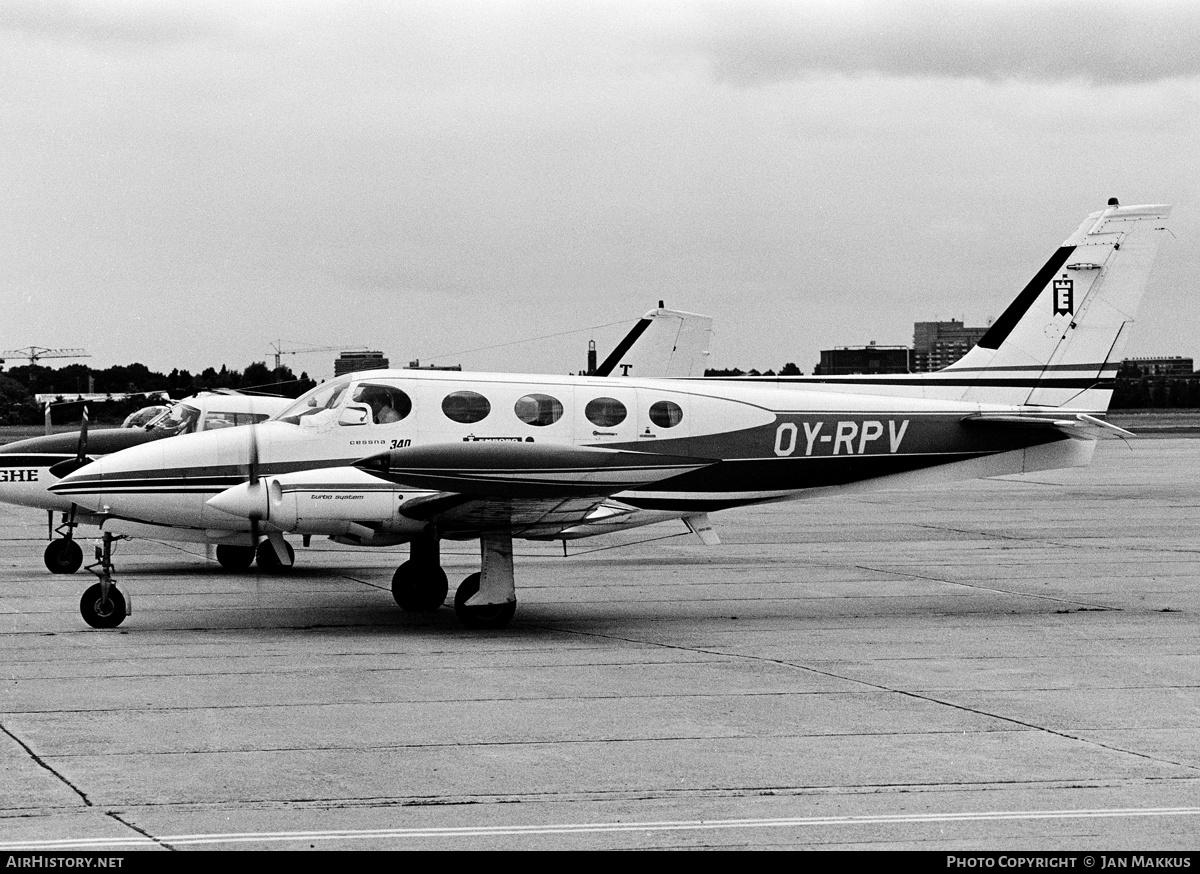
<point>531,490</point>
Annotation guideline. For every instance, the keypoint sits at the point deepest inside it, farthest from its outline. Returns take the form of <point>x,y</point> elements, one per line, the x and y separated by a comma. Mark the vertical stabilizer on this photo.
<point>664,343</point>
<point>1060,342</point>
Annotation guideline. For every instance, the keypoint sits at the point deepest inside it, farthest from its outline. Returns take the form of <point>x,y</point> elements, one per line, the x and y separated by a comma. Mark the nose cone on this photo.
<point>246,501</point>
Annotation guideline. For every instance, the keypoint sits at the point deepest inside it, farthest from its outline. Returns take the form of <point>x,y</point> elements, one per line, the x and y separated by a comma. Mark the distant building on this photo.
<point>350,362</point>
<point>417,365</point>
<point>1175,365</point>
<point>940,344</point>
<point>863,359</point>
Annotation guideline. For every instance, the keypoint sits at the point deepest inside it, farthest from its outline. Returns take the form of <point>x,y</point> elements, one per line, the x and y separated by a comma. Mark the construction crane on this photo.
<point>34,354</point>
<point>304,350</point>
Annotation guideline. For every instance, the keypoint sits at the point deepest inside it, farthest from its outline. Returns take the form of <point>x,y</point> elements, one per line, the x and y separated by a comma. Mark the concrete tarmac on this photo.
<point>1003,664</point>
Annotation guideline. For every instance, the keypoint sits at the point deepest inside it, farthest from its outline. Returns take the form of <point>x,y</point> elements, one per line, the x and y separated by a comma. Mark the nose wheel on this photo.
<point>102,609</point>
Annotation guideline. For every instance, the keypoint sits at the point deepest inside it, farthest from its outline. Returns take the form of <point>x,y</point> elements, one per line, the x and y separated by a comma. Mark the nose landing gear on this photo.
<point>63,556</point>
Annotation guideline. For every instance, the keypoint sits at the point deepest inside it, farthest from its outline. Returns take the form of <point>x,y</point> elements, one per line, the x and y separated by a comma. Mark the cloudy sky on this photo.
<point>184,184</point>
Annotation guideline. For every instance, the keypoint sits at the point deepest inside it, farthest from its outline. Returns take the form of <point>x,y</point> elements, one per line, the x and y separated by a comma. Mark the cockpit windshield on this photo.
<point>324,397</point>
<point>179,419</point>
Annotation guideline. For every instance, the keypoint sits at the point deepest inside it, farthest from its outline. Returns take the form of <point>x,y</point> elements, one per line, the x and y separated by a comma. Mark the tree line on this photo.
<point>18,385</point>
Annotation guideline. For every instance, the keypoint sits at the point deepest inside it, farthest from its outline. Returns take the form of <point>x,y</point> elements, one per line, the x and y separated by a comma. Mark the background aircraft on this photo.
<point>498,456</point>
<point>28,467</point>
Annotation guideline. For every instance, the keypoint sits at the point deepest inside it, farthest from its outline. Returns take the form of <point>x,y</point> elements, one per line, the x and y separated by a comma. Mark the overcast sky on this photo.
<point>184,184</point>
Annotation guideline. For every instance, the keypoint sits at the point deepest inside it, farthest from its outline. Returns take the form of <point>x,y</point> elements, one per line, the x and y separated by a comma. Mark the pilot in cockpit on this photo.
<point>380,401</point>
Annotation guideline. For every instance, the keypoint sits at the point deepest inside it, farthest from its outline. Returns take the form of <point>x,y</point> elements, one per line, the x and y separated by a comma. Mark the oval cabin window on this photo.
<point>605,412</point>
<point>538,410</point>
<point>666,414</point>
<point>466,407</point>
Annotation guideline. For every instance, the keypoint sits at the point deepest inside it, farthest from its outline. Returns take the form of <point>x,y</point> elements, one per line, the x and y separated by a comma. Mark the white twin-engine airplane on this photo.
<point>388,457</point>
<point>663,342</point>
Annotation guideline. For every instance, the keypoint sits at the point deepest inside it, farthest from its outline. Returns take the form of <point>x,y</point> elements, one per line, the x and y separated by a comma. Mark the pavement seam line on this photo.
<point>981,588</point>
<point>112,814</point>
<point>915,695</point>
<point>44,764</point>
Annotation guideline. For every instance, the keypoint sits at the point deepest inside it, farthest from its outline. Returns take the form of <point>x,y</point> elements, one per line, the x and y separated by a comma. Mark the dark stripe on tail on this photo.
<point>624,346</point>
<point>1003,326</point>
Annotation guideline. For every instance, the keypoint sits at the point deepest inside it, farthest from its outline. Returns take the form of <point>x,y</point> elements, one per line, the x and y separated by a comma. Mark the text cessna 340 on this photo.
<point>383,458</point>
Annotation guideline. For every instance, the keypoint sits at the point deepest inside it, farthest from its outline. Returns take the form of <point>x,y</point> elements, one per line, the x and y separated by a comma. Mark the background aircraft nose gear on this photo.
<point>63,556</point>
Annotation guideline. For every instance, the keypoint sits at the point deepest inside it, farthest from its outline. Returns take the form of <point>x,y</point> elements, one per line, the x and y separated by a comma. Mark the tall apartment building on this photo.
<point>939,344</point>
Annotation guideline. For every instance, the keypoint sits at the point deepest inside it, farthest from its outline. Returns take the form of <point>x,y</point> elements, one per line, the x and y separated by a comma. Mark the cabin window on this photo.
<point>466,407</point>
<point>605,412</point>
<point>666,414</point>
<point>387,403</point>
<point>538,410</point>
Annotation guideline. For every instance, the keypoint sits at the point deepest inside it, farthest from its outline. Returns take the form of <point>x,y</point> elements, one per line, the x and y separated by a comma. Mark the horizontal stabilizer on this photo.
<point>525,470</point>
<point>1078,425</point>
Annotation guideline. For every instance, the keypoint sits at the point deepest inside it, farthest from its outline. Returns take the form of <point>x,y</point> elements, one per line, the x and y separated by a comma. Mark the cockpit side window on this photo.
<point>180,419</point>
<point>323,397</point>
<point>388,403</point>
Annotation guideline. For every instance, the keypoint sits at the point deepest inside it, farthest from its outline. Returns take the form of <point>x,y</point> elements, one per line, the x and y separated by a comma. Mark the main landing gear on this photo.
<point>63,556</point>
<point>103,605</point>
<point>239,558</point>
<point>419,585</point>
<point>485,600</point>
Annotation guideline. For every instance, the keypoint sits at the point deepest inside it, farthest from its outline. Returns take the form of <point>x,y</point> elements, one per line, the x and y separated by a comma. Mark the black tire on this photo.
<point>63,556</point>
<point>100,613</point>
<point>419,587</point>
<point>235,558</point>
<point>492,616</point>
<point>268,561</point>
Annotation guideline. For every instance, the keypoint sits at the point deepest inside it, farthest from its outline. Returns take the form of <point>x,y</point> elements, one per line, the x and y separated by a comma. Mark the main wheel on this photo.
<point>235,558</point>
<point>487,616</point>
<point>63,556</point>
<point>101,612</point>
<point>419,587</point>
<point>268,560</point>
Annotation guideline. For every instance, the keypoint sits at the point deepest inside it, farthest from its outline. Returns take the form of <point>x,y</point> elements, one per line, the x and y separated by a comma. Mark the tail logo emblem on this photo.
<point>1064,296</point>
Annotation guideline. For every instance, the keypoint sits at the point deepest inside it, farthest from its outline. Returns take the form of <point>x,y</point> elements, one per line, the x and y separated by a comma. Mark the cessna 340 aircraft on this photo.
<point>388,457</point>
<point>28,467</point>
<point>664,342</point>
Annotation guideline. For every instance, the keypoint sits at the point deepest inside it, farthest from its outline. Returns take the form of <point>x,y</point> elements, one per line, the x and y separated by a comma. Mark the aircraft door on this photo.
<point>605,414</point>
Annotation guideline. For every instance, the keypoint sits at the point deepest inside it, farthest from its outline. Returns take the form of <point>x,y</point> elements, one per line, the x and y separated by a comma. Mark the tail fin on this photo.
<point>665,343</point>
<point>1059,344</point>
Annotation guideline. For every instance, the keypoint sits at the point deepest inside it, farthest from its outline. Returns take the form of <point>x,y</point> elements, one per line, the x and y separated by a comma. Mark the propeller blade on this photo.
<point>252,479</point>
<point>81,448</point>
<point>252,470</point>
